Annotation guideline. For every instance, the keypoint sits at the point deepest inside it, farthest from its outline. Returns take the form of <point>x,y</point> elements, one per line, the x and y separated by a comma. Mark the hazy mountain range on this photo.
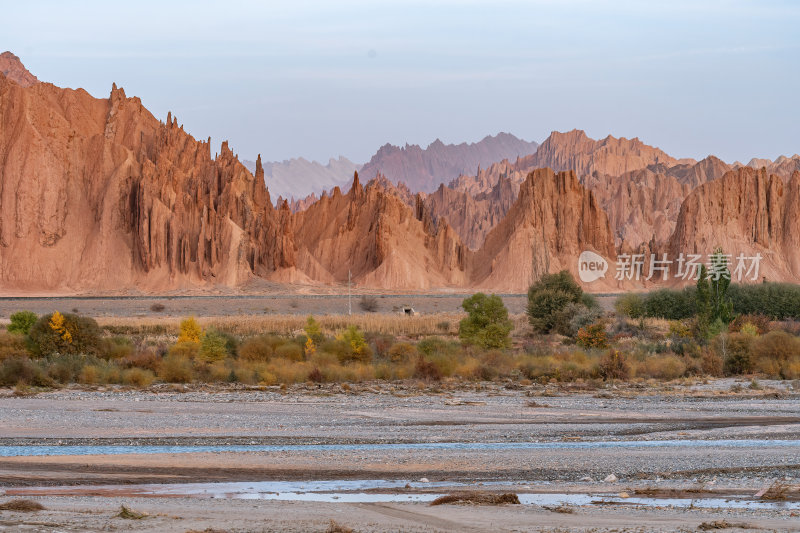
<point>422,169</point>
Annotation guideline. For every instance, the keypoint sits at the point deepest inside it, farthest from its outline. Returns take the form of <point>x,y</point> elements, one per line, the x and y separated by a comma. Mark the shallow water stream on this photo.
<point>372,491</point>
<point>34,450</point>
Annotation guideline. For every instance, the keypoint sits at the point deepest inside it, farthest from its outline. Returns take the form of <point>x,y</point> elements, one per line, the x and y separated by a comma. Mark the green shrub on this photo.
<point>231,343</point>
<point>630,304</point>
<point>437,345</point>
<point>589,301</point>
<point>313,331</point>
<point>719,283</point>
<point>117,347</point>
<point>353,346</point>
<point>670,304</point>
<point>487,324</point>
<point>213,347</point>
<point>703,306</point>
<point>337,347</point>
<point>549,296</point>
<point>22,322</point>
<point>544,307</point>
<point>778,301</point>
<point>65,334</point>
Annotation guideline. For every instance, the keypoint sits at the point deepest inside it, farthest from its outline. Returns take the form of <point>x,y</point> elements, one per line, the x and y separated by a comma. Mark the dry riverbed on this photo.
<point>630,457</point>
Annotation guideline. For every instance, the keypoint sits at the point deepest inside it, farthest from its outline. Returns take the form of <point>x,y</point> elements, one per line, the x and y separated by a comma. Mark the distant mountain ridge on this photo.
<point>423,170</point>
<point>298,178</point>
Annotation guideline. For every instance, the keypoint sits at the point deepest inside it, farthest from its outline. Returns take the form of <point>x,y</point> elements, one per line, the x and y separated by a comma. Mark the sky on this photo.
<point>323,79</point>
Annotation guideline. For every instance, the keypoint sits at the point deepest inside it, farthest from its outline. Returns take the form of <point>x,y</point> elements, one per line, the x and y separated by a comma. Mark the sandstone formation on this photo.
<point>554,219</point>
<point>12,68</point>
<point>783,166</point>
<point>472,217</point>
<point>642,204</point>
<point>423,170</point>
<point>694,174</point>
<point>746,212</point>
<point>379,239</point>
<point>575,151</point>
<point>98,194</point>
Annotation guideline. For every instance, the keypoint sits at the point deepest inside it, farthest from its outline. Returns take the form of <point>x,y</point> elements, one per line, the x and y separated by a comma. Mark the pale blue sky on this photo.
<point>318,79</point>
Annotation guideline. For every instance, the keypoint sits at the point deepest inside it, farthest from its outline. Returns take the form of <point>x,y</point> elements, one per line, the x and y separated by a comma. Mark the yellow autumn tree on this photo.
<point>57,324</point>
<point>310,348</point>
<point>190,330</point>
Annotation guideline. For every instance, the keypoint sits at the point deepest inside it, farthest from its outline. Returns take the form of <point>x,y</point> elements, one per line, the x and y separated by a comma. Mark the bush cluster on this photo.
<point>775,354</point>
<point>556,303</point>
<point>61,348</point>
<point>487,324</point>
<point>777,301</point>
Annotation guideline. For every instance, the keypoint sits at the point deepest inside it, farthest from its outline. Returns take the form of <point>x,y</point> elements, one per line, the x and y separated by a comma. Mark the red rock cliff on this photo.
<point>98,194</point>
